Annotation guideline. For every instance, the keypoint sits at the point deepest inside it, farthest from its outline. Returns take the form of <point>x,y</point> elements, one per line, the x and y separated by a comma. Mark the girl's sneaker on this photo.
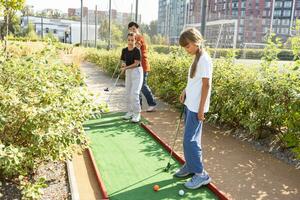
<point>128,115</point>
<point>136,117</point>
<point>151,109</point>
<point>182,172</point>
<point>197,181</point>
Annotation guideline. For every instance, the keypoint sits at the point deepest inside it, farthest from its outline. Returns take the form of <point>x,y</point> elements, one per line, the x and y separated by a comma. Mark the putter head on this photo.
<point>167,167</point>
<point>106,89</point>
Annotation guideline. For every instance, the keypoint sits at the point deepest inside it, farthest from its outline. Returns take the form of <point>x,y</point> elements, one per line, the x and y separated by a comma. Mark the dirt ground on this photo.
<point>236,167</point>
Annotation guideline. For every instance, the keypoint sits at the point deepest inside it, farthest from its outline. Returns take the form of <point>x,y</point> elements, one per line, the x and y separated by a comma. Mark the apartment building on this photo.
<point>253,17</point>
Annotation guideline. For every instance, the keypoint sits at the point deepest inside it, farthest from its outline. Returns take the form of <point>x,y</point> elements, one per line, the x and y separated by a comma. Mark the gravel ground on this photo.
<point>56,179</point>
<point>268,144</point>
<point>9,191</point>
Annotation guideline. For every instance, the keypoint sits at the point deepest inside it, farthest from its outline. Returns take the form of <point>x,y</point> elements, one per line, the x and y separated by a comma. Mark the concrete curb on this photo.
<point>72,181</point>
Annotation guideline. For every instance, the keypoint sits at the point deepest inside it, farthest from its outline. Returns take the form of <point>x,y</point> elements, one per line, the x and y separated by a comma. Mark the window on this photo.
<point>242,22</point>
<point>277,13</point>
<point>284,30</point>
<point>278,4</point>
<point>243,13</point>
<point>235,13</point>
<point>240,37</point>
<point>286,13</point>
<point>243,4</point>
<point>268,4</point>
<point>240,29</point>
<point>285,22</point>
<point>287,4</point>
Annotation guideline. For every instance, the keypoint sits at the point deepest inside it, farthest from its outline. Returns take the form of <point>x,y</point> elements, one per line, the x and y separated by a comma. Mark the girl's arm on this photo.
<point>134,65</point>
<point>204,93</point>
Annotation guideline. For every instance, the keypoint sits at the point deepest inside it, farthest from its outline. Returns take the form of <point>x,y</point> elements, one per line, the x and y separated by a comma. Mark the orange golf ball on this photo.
<point>156,188</point>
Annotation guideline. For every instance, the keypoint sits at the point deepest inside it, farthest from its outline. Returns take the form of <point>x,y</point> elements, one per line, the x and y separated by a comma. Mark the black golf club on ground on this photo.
<point>167,168</point>
<point>116,69</point>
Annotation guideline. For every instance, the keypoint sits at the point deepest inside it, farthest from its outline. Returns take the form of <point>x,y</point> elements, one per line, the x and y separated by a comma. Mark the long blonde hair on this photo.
<point>192,35</point>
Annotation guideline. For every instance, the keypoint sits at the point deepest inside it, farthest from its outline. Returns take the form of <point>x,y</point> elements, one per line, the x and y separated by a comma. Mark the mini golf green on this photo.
<point>131,162</point>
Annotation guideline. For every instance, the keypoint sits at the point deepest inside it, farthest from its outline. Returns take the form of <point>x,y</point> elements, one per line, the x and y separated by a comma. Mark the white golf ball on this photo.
<point>181,192</point>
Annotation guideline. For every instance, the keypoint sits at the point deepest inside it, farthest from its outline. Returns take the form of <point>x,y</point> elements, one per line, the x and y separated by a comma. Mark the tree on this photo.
<point>147,38</point>
<point>27,11</point>
<point>117,31</point>
<point>117,34</point>
<point>103,30</point>
<point>145,28</point>
<point>159,39</point>
<point>153,28</point>
<point>9,7</point>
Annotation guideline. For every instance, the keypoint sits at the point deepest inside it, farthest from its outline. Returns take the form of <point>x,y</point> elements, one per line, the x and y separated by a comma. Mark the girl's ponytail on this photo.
<point>192,35</point>
<point>194,65</point>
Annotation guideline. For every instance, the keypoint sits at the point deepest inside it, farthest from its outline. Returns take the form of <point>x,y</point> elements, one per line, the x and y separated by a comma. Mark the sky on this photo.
<point>147,8</point>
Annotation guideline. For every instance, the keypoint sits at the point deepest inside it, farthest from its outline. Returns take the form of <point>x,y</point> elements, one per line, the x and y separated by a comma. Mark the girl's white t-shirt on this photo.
<point>194,85</point>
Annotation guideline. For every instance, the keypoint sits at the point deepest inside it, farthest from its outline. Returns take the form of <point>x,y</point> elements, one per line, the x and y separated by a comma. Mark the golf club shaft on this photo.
<point>116,69</point>
<point>177,131</point>
<point>114,86</point>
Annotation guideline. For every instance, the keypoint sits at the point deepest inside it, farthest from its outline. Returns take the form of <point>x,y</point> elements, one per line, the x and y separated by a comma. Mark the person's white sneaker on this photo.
<point>128,115</point>
<point>136,118</point>
<point>151,109</point>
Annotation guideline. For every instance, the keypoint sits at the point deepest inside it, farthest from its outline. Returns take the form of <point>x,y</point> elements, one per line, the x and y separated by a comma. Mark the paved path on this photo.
<point>237,168</point>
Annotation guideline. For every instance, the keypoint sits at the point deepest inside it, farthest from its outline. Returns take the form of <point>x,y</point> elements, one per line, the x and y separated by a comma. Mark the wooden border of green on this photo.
<point>100,182</point>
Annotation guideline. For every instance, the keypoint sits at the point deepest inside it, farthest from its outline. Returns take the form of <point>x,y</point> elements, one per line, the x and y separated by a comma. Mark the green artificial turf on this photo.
<point>131,162</point>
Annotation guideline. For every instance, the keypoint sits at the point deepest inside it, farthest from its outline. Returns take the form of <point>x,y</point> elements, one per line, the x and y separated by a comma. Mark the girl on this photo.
<point>130,58</point>
<point>142,45</point>
<point>196,98</point>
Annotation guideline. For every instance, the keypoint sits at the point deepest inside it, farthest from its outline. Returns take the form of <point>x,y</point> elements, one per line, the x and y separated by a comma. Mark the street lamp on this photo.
<point>81,14</point>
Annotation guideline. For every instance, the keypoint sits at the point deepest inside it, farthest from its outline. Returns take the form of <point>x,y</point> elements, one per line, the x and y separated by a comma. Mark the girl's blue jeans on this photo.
<point>192,142</point>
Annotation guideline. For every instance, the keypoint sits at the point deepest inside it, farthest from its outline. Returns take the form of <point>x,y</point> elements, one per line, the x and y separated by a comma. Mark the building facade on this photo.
<point>253,17</point>
<point>66,31</point>
<point>120,18</point>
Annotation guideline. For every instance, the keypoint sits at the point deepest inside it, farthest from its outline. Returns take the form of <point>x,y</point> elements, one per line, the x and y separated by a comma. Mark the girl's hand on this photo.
<point>182,97</point>
<point>123,69</point>
<point>201,116</point>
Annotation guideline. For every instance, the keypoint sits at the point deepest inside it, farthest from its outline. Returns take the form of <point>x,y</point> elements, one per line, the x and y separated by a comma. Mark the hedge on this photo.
<point>42,106</point>
<point>284,54</point>
<point>254,98</point>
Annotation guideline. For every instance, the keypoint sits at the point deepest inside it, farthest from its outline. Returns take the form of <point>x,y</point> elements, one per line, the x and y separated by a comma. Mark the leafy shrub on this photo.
<point>42,106</point>
<point>257,54</point>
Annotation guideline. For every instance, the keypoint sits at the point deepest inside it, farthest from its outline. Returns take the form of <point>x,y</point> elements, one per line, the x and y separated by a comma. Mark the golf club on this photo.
<point>114,86</point>
<point>172,149</point>
<point>116,69</point>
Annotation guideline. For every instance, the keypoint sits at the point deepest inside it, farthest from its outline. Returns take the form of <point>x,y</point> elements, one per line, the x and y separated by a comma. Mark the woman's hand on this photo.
<point>182,97</point>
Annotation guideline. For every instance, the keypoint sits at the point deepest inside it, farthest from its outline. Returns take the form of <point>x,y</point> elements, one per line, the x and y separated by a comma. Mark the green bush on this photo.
<point>42,106</point>
<point>256,54</point>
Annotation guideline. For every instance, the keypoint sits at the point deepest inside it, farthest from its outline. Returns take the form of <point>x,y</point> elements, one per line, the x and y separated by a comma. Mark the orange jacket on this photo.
<point>145,63</point>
